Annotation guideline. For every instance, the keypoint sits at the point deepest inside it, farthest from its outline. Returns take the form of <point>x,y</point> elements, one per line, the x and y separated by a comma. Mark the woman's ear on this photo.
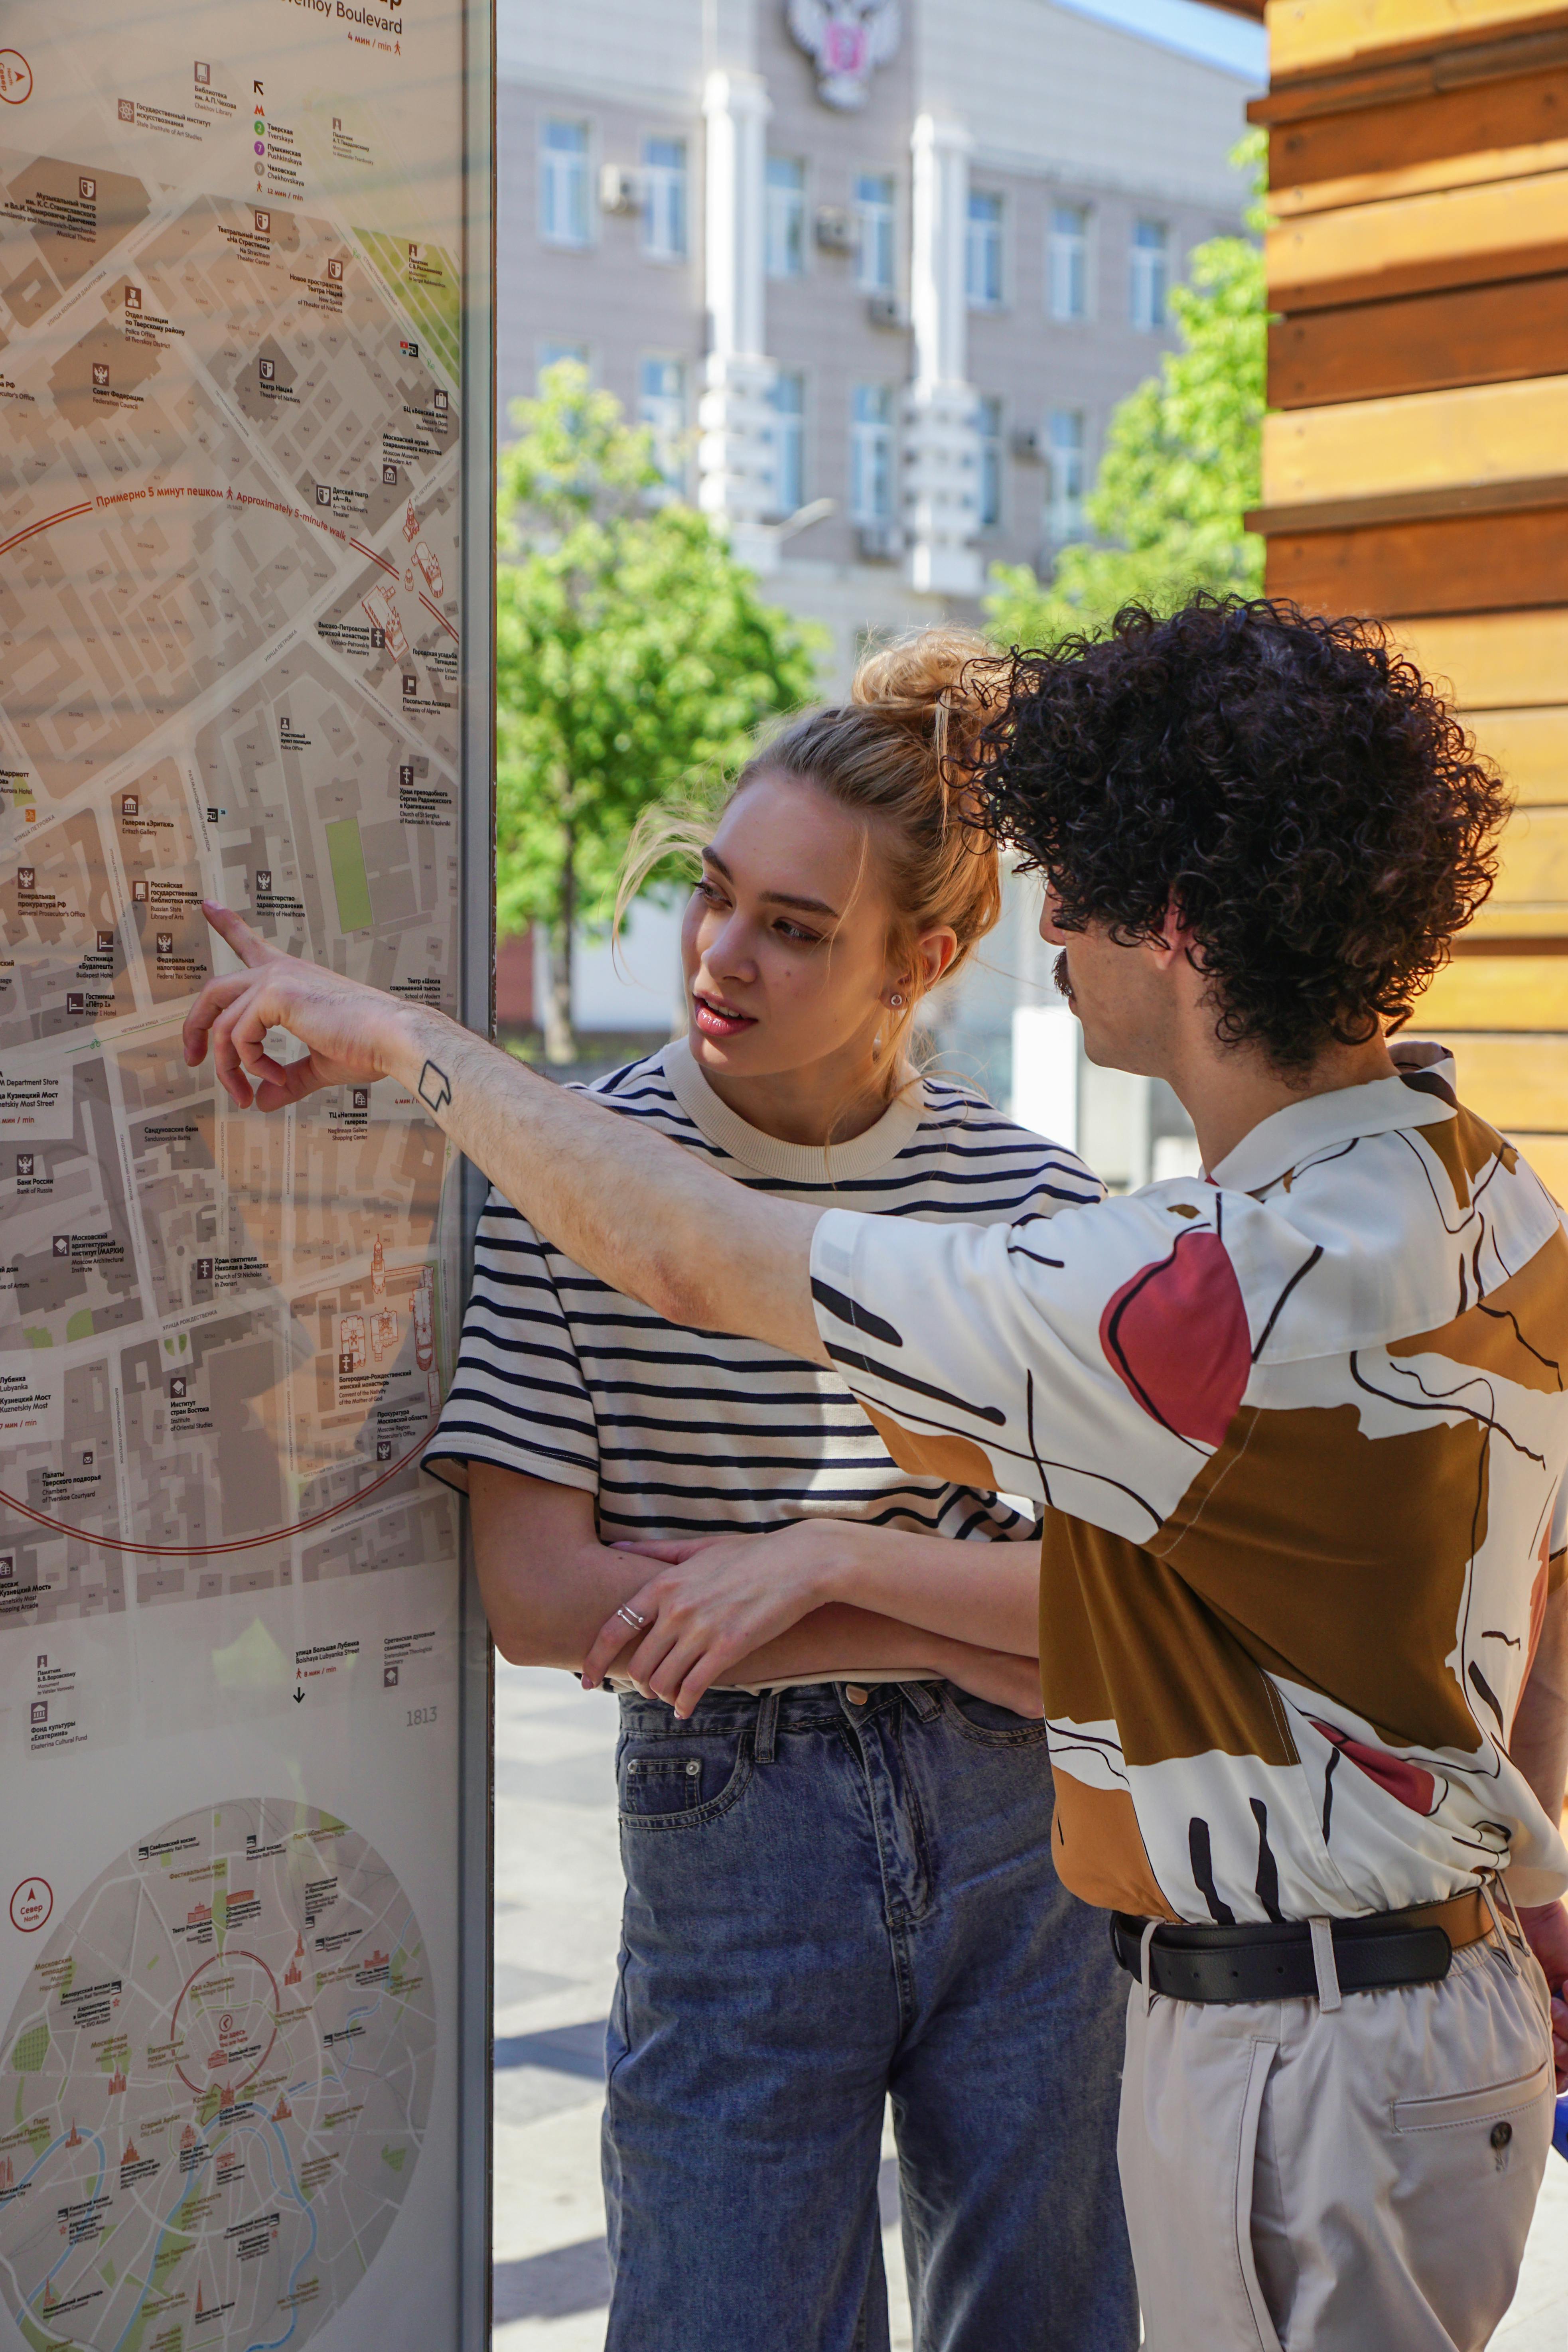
<point>931,956</point>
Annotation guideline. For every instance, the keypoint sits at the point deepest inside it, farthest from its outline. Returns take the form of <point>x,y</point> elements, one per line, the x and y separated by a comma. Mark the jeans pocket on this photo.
<point>990,1725</point>
<point>680,1782</point>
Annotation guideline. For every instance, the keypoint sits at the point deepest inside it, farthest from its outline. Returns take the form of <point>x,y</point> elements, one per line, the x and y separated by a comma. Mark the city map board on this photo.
<point>232,554</point>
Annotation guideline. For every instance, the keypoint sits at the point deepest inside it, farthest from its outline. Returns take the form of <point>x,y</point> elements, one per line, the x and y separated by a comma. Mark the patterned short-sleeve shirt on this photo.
<point>1300,1432</point>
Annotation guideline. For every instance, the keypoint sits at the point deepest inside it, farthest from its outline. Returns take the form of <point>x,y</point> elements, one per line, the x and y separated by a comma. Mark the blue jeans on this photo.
<point>829,1900</point>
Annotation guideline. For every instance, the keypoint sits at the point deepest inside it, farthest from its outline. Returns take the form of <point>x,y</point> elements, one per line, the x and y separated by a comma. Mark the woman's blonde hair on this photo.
<point>898,755</point>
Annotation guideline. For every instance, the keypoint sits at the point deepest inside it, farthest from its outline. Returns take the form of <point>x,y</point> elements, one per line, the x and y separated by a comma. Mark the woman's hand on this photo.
<point>713,1603</point>
<point>1545,1926</point>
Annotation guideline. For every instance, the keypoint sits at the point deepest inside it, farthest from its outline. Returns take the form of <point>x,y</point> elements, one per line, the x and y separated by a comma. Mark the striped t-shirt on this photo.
<point>679,1433</point>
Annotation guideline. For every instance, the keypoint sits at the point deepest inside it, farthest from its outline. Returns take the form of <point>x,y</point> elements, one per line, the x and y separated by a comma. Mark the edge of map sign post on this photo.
<point>476,1714</point>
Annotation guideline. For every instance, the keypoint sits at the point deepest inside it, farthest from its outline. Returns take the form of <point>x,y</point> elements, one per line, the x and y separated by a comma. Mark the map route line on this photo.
<point>209,1550</point>
<point>382,560</point>
<point>45,522</point>
<point>436,614</point>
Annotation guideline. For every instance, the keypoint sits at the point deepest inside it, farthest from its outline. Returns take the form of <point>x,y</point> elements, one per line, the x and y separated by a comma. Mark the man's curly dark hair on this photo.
<point>1295,788</point>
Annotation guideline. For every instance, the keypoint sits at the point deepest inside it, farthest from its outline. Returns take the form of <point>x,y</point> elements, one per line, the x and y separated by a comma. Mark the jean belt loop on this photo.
<point>921,1700</point>
<point>1329,1996</point>
<point>767,1727</point>
<point>1146,1963</point>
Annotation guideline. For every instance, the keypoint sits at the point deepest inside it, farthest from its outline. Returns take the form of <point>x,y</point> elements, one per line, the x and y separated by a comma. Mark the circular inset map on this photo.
<point>214,2088</point>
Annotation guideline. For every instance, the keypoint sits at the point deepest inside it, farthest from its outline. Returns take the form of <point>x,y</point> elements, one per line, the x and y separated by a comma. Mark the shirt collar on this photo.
<point>790,1163</point>
<point>1421,1096</point>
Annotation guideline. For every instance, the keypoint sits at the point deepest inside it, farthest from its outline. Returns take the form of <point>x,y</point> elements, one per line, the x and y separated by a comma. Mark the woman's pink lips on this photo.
<point>714,1024</point>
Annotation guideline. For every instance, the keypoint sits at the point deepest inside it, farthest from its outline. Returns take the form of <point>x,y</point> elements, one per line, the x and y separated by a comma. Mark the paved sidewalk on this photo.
<point>558,1897</point>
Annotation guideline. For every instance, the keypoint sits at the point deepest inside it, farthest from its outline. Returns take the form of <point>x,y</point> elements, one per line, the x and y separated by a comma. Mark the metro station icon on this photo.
<point>133,298</point>
<point>178,1386</point>
<point>100,373</point>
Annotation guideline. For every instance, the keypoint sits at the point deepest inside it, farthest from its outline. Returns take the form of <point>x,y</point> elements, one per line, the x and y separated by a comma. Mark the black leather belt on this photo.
<point>1267,1962</point>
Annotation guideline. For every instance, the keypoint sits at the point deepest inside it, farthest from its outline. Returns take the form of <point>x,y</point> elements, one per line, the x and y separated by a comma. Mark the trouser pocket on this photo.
<point>1264,2054</point>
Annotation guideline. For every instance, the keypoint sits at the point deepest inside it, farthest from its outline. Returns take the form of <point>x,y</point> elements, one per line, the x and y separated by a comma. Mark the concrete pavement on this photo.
<point>558,1897</point>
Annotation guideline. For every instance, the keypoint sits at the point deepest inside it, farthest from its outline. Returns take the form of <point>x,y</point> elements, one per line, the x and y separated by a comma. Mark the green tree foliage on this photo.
<point>632,652</point>
<point>1181,465</point>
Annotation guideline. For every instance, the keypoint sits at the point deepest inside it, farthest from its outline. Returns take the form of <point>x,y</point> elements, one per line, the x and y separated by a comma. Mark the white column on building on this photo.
<point>941,435</point>
<point>735,452</point>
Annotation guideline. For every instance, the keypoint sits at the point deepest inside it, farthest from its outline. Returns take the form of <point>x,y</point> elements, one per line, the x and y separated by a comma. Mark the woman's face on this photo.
<point>786,939</point>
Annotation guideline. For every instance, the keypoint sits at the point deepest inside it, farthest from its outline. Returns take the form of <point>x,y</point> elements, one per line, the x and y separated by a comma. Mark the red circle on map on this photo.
<point>16,77</point>
<point>31,1905</point>
<point>220,2060</point>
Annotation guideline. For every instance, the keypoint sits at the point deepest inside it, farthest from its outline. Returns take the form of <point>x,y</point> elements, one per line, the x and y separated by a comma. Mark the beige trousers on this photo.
<point>1301,2178</point>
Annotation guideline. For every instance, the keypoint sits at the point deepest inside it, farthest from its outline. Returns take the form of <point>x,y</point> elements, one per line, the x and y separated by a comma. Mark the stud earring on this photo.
<point>895,1000</point>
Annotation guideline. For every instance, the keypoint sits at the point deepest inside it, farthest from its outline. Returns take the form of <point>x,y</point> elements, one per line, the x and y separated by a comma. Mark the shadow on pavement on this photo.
<point>553,2285</point>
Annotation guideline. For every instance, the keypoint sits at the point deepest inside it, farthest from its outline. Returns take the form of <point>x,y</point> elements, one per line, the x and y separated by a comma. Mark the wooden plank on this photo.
<point>1459,132</point>
<point>1534,869</point>
<point>1460,563</point>
<point>1548,1155</point>
<point>1292,200</point>
<point>1520,928</point>
<point>1494,661</point>
<point>1530,747</point>
<point>1516,1081</point>
<point>1409,244</point>
<point>1314,36</point>
<point>1416,441</point>
<point>1491,992</point>
<point>1420,342</point>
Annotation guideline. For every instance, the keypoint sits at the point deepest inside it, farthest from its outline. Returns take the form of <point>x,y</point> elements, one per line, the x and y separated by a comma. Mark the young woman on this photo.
<point>839,1883</point>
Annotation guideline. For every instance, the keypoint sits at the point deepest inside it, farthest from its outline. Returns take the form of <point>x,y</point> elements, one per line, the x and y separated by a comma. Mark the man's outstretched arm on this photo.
<point>634,1209</point>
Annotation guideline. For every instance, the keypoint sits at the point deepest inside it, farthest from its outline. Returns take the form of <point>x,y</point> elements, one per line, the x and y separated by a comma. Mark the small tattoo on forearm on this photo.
<point>435,1087</point>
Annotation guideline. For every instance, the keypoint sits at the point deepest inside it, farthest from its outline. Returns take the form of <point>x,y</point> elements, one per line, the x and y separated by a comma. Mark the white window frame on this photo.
<point>989,490</point>
<point>1149,274</point>
<point>784,218</point>
<point>787,429</point>
<point>873,456</point>
<point>663,409</point>
<point>985,250</point>
<point>666,209</point>
<point>876,232</point>
<point>565,185</point>
<point>1067,439</point>
<point>1066,264</point>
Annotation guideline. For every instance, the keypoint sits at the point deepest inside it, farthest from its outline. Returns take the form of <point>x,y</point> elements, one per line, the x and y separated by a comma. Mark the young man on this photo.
<point>1298,1430</point>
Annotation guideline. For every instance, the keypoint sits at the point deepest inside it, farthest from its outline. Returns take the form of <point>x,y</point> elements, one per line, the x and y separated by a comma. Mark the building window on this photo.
<point>990,424</point>
<point>871,454</point>
<point>1149,262</point>
<point>552,355</point>
<point>982,252</point>
<point>1066,262</point>
<point>786,217</point>
<point>563,183</point>
<point>788,397</point>
<point>661,406</point>
<point>1063,452</point>
<point>874,207</point>
<point>664,199</point>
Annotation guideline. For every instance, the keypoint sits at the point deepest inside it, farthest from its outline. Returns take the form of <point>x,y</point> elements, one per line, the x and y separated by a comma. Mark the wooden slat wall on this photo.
<point>1415,458</point>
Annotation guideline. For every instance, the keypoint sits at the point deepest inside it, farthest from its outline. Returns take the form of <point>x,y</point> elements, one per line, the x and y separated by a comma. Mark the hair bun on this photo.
<point>942,680</point>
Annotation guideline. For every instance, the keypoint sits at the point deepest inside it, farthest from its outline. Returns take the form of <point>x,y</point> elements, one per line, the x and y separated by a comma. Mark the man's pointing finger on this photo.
<point>246,944</point>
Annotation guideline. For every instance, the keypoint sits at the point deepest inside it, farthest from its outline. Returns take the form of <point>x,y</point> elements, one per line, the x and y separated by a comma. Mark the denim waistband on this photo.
<point>804,1706</point>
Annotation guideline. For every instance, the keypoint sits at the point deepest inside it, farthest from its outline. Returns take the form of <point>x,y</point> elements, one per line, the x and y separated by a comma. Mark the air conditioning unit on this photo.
<point>618,190</point>
<point>835,229</point>
<point>1025,444</point>
<point>885,311</point>
<point>879,542</point>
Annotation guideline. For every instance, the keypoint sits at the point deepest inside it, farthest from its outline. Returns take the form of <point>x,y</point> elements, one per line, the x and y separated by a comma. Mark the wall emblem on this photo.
<point>848,40</point>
